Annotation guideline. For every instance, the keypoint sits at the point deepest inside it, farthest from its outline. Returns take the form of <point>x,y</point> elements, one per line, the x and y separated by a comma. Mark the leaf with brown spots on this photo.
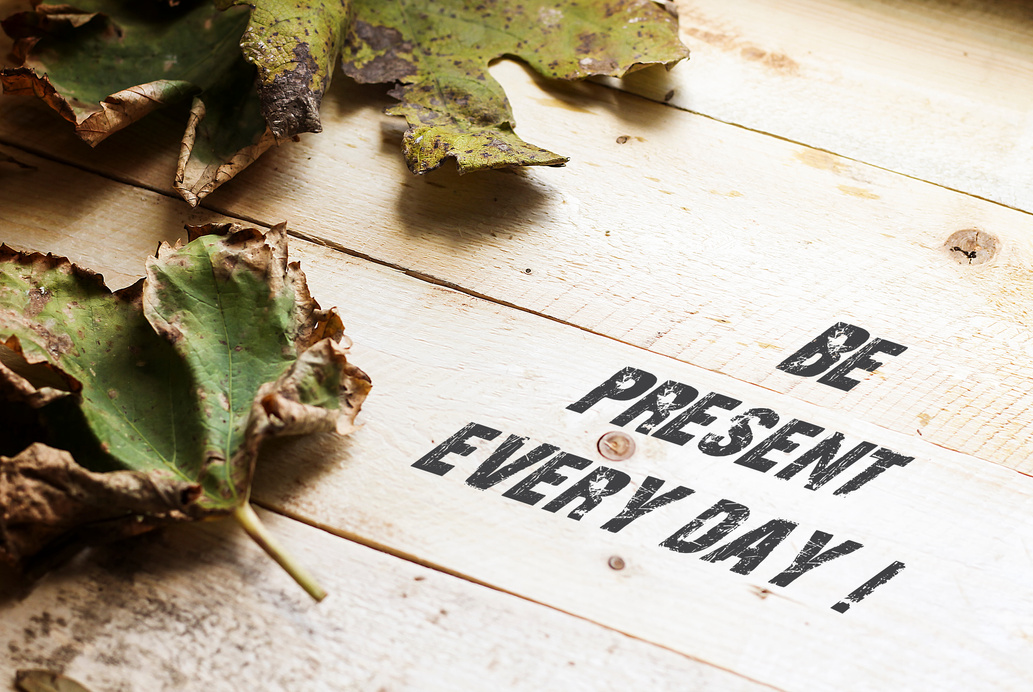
<point>438,53</point>
<point>151,402</point>
<point>295,45</point>
<point>103,65</point>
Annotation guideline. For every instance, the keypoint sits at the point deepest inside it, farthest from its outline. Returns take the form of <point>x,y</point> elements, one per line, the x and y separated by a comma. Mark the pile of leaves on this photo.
<point>257,70</point>
<point>129,410</point>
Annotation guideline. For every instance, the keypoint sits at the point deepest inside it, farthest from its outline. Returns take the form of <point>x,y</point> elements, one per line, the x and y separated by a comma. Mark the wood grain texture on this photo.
<point>956,618</point>
<point>961,525</point>
<point>202,608</point>
<point>700,251</point>
<point>724,248</point>
<point>936,89</point>
<point>50,208</point>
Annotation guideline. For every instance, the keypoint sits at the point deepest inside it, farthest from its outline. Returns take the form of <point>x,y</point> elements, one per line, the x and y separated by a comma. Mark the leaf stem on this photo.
<point>253,526</point>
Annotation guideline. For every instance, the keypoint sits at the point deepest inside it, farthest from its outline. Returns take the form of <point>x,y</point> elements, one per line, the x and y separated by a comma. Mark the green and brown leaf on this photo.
<point>152,401</point>
<point>105,63</point>
<point>294,45</point>
<point>439,52</point>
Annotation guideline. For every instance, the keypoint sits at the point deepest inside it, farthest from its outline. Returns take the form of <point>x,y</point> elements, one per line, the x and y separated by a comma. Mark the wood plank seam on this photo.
<point>449,285</point>
<point>410,557</point>
<point>607,83</point>
<point>112,175</point>
<point>789,140</point>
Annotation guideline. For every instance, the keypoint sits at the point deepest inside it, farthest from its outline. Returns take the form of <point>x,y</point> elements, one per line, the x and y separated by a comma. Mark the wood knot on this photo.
<point>972,246</point>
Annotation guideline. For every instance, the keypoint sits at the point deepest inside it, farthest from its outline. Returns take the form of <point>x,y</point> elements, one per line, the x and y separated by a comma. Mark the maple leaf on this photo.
<point>106,63</point>
<point>157,397</point>
<point>439,52</point>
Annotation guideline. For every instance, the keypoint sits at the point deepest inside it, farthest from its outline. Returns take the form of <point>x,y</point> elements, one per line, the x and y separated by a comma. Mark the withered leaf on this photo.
<point>439,52</point>
<point>157,397</point>
<point>225,133</point>
<point>295,45</point>
<point>104,63</point>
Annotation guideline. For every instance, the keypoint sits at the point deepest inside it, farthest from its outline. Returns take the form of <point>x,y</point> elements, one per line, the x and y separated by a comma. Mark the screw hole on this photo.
<point>616,446</point>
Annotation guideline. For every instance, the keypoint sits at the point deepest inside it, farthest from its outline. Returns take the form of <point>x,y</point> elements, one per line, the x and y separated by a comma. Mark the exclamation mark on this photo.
<point>866,588</point>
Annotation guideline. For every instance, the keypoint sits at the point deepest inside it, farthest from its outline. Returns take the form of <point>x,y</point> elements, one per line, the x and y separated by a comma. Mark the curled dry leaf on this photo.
<point>46,496</point>
<point>103,64</point>
<point>225,134</point>
<point>294,44</point>
<point>154,400</point>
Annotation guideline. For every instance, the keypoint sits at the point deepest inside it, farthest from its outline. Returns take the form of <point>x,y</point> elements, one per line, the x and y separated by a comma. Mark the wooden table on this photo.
<point>844,174</point>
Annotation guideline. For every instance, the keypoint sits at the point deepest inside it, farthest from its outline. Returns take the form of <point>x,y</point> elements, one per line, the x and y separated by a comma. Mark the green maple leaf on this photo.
<point>158,396</point>
<point>436,52</point>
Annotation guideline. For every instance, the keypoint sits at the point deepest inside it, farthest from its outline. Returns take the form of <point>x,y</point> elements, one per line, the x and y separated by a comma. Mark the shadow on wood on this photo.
<point>470,209</point>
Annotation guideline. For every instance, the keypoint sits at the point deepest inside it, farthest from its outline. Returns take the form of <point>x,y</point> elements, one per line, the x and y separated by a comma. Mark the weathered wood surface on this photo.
<point>441,359</point>
<point>935,89</point>
<point>960,524</point>
<point>724,248</point>
<point>199,608</point>
<point>696,250</point>
<point>202,606</point>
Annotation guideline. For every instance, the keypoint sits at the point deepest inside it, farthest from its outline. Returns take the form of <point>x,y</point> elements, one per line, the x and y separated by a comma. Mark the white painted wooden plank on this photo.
<point>201,607</point>
<point>933,89</point>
